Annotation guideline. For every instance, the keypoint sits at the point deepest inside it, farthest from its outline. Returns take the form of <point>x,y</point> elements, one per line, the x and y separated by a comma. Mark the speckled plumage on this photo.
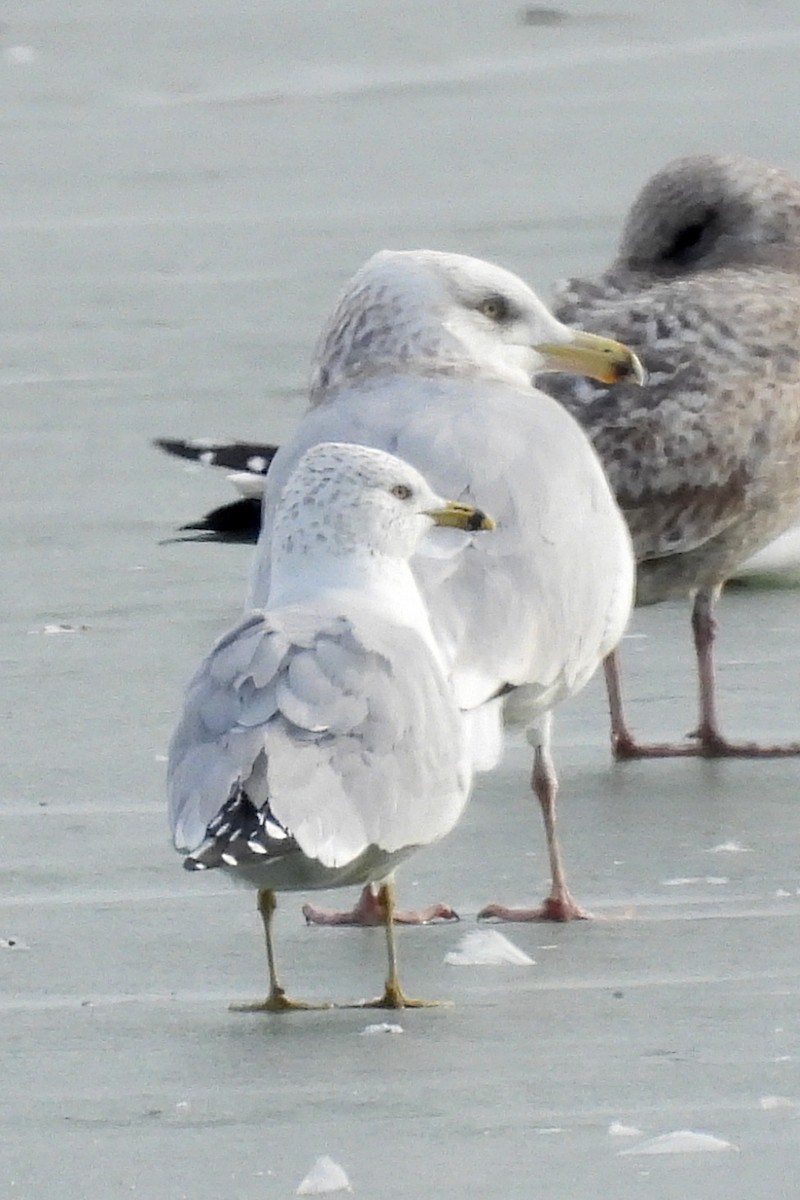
<point>328,708</point>
<point>420,311</point>
<point>705,459</point>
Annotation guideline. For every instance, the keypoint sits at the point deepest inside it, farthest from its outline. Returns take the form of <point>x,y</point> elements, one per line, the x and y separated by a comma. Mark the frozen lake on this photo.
<point>185,189</point>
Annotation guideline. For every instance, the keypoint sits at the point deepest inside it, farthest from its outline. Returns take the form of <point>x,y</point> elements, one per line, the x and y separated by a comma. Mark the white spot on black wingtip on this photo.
<point>257,848</point>
<point>192,864</point>
<point>229,859</point>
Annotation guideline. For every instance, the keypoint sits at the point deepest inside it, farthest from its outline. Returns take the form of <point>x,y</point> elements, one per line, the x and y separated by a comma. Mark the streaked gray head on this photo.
<point>343,499</point>
<point>711,211</point>
<point>427,311</point>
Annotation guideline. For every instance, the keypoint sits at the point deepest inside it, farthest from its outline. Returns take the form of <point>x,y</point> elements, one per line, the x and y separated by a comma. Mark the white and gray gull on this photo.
<point>705,459</point>
<point>429,355</point>
<point>320,743</point>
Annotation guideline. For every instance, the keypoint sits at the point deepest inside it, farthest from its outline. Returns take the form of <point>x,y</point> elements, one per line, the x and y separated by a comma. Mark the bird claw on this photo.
<point>369,912</point>
<point>554,908</point>
<point>278,1002</point>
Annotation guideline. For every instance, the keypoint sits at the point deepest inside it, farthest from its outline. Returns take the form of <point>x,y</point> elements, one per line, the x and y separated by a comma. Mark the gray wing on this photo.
<point>704,442</point>
<point>340,732</point>
<point>219,738</point>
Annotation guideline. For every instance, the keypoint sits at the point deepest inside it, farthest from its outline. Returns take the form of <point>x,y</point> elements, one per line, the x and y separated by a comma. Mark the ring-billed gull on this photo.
<point>705,461</point>
<point>320,744</point>
<point>429,356</point>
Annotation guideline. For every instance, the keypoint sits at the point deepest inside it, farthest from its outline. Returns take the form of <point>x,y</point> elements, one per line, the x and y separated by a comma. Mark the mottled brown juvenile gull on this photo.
<point>705,459</point>
<point>429,356</point>
<point>320,743</point>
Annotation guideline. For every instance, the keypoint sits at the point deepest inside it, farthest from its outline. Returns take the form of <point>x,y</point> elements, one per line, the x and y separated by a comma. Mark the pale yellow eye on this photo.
<point>402,491</point>
<point>496,308</point>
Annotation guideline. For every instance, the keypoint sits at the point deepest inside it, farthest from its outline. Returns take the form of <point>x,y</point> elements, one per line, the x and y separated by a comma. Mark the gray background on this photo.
<point>185,187</point>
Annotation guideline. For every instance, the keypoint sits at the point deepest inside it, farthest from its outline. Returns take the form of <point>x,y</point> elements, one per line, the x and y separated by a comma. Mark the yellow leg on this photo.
<point>393,995</point>
<point>277,1001</point>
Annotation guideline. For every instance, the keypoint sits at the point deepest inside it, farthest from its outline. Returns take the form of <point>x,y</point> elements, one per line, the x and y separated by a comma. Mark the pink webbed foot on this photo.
<point>369,911</point>
<point>557,907</point>
<point>702,743</point>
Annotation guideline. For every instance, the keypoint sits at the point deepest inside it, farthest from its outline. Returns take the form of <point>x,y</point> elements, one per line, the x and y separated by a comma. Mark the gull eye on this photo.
<point>496,308</point>
<point>402,491</point>
<point>691,240</point>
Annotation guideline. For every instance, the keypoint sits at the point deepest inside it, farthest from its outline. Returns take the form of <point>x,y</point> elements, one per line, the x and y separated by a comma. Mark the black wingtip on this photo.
<point>179,447</point>
<point>250,457</point>
<point>239,522</point>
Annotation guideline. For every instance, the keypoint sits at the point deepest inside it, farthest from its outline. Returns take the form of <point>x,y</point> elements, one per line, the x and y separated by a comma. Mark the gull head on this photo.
<point>343,499</point>
<point>430,312</point>
<point>708,211</point>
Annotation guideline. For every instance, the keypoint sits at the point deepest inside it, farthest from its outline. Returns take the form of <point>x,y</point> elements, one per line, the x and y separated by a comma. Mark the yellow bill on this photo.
<point>598,357</point>
<point>460,516</point>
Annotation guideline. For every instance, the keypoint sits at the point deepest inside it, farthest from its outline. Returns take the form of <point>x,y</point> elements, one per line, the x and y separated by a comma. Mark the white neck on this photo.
<point>300,578</point>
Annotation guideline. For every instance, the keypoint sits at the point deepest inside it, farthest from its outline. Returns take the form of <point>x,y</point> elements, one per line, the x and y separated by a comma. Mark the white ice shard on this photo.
<point>681,1141</point>
<point>617,1129</point>
<point>486,948</point>
<point>771,1103</point>
<point>325,1176</point>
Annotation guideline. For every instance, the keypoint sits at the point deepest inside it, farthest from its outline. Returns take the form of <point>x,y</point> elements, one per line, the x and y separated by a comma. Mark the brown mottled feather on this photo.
<point>705,460</point>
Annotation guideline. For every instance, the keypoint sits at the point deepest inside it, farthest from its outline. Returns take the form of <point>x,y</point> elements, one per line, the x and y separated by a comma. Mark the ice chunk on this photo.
<point>770,1103</point>
<point>729,848</point>
<point>325,1176</point>
<point>486,948</point>
<point>382,1027</point>
<point>681,1141</point>
<point>20,54</point>
<point>617,1129</point>
<point>13,943</point>
<point>687,880</point>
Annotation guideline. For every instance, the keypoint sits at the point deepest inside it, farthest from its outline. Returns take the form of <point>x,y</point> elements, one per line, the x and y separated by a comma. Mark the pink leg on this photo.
<point>623,743</point>
<point>369,910</point>
<point>559,905</point>
<point>707,740</point>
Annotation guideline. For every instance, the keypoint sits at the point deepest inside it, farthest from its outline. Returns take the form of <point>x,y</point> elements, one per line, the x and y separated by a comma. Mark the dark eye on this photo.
<point>402,491</point>
<point>496,308</point>
<point>690,241</point>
